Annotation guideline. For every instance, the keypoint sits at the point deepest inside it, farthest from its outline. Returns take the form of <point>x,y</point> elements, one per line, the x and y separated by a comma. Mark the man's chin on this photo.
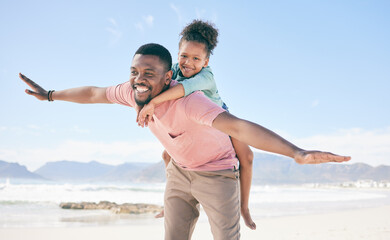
<point>142,102</point>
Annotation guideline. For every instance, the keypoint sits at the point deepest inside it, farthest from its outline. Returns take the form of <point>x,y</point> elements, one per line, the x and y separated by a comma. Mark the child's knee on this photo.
<point>248,160</point>
<point>165,156</point>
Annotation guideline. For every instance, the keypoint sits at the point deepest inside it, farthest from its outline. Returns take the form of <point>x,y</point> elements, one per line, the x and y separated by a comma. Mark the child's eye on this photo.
<point>183,56</point>
<point>196,59</point>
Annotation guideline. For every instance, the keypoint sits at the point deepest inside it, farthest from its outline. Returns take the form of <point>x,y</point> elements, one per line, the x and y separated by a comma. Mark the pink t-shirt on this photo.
<point>183,126</point>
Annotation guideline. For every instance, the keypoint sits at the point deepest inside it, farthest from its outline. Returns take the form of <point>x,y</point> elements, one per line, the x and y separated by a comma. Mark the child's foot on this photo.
<point>160,215</point>
<point>248,219</point>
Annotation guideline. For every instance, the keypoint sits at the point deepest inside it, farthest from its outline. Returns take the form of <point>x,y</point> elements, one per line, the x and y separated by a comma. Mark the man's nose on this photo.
<point>140,78</point>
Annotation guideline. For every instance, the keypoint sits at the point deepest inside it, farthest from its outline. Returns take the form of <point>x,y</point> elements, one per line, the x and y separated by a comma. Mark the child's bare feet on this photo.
<point>160,215</point>
<point>247,218</point>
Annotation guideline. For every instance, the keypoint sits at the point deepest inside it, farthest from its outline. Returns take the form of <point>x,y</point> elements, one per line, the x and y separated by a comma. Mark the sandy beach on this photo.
<point>366,223</point>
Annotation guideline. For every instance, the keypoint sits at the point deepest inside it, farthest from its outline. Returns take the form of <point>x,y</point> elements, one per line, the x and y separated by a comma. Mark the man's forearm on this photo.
<point>82,95</point>
<point>77,95</point>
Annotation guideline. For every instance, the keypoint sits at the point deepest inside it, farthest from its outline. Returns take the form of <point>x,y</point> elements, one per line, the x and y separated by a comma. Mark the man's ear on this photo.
<point>206,62</point>
<point>168,77</point>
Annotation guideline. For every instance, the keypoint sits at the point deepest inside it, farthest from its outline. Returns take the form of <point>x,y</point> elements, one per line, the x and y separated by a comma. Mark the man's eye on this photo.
<point>183,56</point>
<point>149,74</point>
<point>133,73</point>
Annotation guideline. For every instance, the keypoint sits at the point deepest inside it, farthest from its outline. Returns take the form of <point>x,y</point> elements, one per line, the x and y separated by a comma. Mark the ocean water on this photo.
<point>36,203</point>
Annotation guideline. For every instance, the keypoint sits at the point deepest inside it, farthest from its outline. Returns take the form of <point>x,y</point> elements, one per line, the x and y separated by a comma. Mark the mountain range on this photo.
<point>267,169</point>
<point>15,170</point>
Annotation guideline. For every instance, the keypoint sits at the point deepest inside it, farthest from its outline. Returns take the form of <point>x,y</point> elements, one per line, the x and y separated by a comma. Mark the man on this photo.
<point>194,131</point>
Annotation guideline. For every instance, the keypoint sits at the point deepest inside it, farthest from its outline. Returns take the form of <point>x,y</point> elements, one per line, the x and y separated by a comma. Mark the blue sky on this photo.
<point>316,72</point>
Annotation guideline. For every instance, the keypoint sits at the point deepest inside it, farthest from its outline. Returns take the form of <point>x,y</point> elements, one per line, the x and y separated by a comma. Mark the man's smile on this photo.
<point>141,88</point>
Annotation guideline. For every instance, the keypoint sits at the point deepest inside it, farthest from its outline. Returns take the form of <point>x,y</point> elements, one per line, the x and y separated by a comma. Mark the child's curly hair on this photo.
<point>201,32</point>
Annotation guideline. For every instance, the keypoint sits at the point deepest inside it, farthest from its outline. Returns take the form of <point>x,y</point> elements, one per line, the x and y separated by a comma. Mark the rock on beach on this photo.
<point>127,208</point>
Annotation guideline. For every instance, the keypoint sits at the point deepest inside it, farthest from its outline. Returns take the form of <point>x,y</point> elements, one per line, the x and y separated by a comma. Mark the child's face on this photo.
<point>192,58</point>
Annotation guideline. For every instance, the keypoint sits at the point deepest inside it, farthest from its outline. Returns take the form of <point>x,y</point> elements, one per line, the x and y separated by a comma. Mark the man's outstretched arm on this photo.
<point>264,139</point>
<point>77,95</point>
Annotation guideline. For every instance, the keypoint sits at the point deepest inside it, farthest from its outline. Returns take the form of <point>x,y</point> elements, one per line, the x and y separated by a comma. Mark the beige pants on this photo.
<point>217,192</point>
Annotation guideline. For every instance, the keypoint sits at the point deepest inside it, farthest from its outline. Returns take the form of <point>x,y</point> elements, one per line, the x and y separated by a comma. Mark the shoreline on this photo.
<point>364,223</point>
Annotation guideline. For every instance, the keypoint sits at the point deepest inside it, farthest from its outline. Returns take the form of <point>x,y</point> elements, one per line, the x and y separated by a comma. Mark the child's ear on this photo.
<point>206,62</point>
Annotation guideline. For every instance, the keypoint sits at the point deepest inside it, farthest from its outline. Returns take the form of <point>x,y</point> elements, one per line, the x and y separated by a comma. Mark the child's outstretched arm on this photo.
<point>204,80</point>
<point>264,139</point>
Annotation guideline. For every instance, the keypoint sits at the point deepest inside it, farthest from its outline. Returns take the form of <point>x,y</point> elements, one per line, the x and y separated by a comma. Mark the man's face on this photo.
<point>148,78</point>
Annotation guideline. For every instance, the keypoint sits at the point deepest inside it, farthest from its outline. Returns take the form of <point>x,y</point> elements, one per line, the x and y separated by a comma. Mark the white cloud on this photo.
<point>149,20</point>
<point>112,21</point>
<point>315,103</point>
<point>214,17</point>
<point>32,126</point>
<point>178,13</point>
<point>38,130</point>
<point>84,151</point>
<point>200,13</point>
<point>115,33</point>
<point>77,129</point>
<point>139,26</point>
<point>369,146</point>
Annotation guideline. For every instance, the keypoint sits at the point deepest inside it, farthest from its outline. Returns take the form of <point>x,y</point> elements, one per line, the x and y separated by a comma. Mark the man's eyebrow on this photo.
<point>146,69</point>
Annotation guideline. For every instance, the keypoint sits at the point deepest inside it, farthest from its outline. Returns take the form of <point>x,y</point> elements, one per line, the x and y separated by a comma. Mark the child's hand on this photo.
<point>137,109</point>
<point>317,157</point>
<point>146,115</point>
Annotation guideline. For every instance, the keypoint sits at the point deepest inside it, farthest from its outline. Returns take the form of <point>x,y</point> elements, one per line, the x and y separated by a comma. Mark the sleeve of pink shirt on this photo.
<point>121,94</point>
<point>201,109</point>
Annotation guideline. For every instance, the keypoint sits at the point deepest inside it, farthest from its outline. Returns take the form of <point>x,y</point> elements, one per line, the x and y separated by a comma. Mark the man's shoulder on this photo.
<point>193,99</point>
<point>196,100</point>
<point>200,108</point>
<point>121,94</point>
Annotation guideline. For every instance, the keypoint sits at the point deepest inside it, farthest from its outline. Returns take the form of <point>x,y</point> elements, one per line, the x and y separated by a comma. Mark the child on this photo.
<point>192,72</point>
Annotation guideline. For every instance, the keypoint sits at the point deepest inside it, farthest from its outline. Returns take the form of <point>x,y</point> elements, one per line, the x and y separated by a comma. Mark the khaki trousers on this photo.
<point>218,193</point>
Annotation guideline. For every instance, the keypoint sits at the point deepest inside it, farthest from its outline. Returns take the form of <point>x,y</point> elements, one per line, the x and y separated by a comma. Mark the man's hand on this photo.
<point>146,114</point>
<point>316,157</point>
<point>37,91</point>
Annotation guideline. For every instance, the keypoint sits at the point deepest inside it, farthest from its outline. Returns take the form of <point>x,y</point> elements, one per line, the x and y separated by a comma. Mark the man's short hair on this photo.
<point>157,50</point>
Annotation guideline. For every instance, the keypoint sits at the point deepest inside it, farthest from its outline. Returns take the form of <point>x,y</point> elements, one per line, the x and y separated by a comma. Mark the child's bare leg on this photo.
<point>245,156</point>
<point>166,157</point>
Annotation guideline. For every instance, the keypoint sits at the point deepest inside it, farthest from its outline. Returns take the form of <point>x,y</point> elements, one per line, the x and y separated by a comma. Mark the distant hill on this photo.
<point>267,169</point>
<point>70,170</point>
<point>125,172</point>
<point>153,173</point>
<point>274,169</point>
<point>14,170</point>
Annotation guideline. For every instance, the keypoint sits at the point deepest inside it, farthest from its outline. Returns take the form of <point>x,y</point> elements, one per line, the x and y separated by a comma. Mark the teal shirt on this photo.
<point>202,81</point>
